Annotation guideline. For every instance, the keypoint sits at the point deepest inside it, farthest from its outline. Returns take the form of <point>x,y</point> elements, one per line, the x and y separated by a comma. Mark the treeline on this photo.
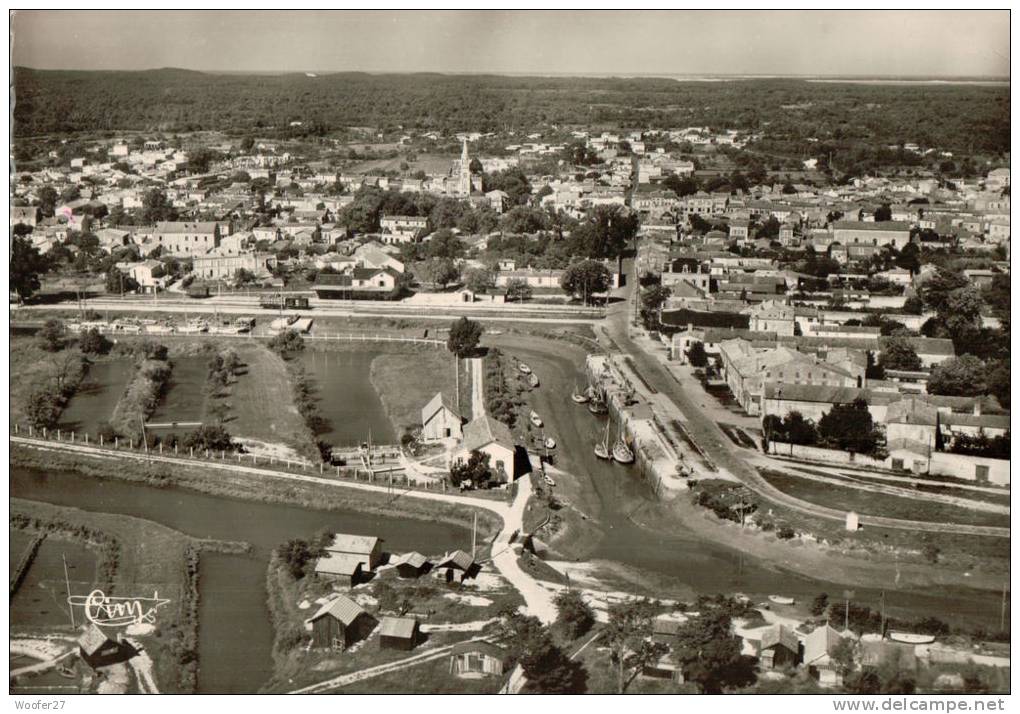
<point>952,117</point>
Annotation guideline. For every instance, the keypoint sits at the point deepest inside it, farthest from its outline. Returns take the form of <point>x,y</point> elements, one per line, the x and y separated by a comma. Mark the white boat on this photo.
<point>578,397</point>
<point>524,368</point>
<point>536,420</point>
<point>602,447</point>
<point>621,451</point>
<point>193,327</point>
<point>158,329</point>
<point>550,443</point>
<point>548,480</point>
<point>781,600</point>
<point>911,638</point>
<point>533,380</point>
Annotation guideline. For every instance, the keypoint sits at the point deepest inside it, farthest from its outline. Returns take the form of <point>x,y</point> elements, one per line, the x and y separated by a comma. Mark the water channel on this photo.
<point>346,397</point>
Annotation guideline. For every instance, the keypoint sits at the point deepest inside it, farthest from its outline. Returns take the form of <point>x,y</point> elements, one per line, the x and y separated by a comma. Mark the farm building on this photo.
<point>398,633</point>
<point>477,658</point>
<point>340,623</point>
<point>342,568</point>
<point>456,567</point>
<point>366,548</point>
<point>440,420</point>
<point>98,650</point>
<point>412,565</point>
<point>779,647</point>
<point>819,647</point>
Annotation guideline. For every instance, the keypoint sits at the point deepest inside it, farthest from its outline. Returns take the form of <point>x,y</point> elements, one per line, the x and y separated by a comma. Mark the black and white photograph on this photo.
<point>505,352</point>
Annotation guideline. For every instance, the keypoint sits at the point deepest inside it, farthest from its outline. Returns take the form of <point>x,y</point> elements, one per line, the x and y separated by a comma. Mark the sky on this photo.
<point>872,43</point>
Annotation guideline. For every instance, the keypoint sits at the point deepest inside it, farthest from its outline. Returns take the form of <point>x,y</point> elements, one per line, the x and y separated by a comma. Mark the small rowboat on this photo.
<point>548,480</point>
<point>525,369</point>
<point>622,453</point>
<point>781,600</point>
<point>536,420</point>
<point>550,443</point>
<point>597,407</point>
<point>533,380</point>
<point>578,397</point>
<point>601,451</point>
<point>911,638</point>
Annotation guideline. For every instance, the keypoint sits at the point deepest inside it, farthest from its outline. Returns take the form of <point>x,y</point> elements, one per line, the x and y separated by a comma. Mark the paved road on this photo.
<point>724,452</point>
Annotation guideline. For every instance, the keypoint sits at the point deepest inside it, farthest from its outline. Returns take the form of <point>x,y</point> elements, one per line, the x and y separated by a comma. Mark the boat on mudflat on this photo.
<point>781,600</point>
<point>911,638</point>
<point>535,419</point>
<point>533,380</point>
<point>525,369</point>
<point>623,453</point>
<point>578,397</point>
<point>550,443</point>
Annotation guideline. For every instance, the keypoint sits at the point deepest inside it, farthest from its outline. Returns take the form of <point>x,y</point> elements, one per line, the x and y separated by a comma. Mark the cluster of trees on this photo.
<point>852,122</point>
<point>848,427</point>
<point>474,473</point>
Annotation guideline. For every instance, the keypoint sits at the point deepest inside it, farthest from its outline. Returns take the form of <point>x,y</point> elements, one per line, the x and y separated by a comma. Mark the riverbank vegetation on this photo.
<point>127,566</point>
<point>152,375</point>
<point>221,482</point>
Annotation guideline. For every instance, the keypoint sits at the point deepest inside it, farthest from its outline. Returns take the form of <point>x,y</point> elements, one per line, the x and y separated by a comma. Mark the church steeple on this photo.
<point>464,185</point>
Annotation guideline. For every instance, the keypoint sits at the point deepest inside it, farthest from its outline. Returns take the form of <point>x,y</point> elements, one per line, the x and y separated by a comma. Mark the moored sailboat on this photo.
<point>621,452</point>
<point>602,447</point>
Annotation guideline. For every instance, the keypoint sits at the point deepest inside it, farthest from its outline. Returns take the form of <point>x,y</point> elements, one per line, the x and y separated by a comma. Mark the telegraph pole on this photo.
<point>67,581</point>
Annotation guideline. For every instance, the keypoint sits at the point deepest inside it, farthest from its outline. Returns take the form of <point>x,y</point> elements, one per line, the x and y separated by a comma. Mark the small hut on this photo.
<point>779,648</point>
<point>341,568</point>
<point>456,567</point>
<point>340,623</point>
<point>98,650</point>
<point>477,658</point>
<point>398,633</point>
<point>412,565</point>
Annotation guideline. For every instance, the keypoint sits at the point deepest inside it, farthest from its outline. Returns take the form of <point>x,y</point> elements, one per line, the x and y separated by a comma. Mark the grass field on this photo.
<point>31,368</point>
<point>407,380</point>
<point>948,490</point>
<point>260,402</point>
<point>879,504</point>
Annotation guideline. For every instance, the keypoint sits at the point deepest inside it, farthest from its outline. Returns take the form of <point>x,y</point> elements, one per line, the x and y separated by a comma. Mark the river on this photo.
<point>235,635</point>
<point>347,398</point>
<point>685,560</point>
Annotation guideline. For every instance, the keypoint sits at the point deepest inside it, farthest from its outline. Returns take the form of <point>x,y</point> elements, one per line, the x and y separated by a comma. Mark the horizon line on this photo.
<point>508,73</point>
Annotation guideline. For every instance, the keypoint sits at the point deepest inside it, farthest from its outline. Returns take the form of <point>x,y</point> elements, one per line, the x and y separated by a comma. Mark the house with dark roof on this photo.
<point>340,623</point>
<point>97,650</point>
<point>398,633</point>
<point>359,284</point>
<point>440,419</point>
<point>412,565</point>
<point>779,647</point>
<point>456,567</point>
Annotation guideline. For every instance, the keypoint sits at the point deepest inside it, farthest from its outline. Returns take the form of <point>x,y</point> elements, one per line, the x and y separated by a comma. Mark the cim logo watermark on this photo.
<point>103,610</point>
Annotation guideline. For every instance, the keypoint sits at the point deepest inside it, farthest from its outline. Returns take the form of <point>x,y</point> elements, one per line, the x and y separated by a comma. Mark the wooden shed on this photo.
<point>98,650</point>
<point>342,568</point>
<point>477,658</point>
<point>367,548</point>
<point>412,565</point>
<point>779,647</point>
<point>398,633</point>
<point>340,623</point>
<point>456,567</point>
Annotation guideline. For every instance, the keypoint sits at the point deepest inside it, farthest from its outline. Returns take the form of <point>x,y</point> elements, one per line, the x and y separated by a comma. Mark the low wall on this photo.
<point>960,466</point>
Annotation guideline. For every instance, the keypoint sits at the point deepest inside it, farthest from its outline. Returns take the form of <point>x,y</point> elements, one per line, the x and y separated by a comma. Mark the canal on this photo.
<point>97,396</point>
<point>685,560</point>
<point>347,398</point>
<point>235,635</point>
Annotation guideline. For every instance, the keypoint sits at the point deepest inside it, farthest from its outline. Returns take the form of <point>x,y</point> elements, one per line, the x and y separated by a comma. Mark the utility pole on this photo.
<point>67,582</point>
<point>1002,611</point>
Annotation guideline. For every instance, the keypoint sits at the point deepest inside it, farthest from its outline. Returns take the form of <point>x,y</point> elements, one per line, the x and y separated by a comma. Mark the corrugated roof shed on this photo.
<point>400,627</point>
<point>342,608</point>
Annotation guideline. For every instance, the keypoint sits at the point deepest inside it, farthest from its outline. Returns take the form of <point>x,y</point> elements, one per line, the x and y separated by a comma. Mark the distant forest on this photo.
<point>959,118</point>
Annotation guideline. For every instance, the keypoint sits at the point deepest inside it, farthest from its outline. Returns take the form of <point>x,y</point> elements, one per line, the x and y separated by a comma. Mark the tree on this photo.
<point>844,655</point>
<point>628,636</point>
<point>93,342</point>
<point>26,264</point>
<point>287,342</point>
<point>51,335</point>
<point>517,289</point>
<point>547,668</point>
<point>883,213</point>
<point>898,353</point>
<point>157,207</point>
<point>154,350</point>
<point>573,614</point>
<point>212,437</point>
<point>696,355</point>
<point>849,427</point>
<point>296,555</point>
<point>475,472</point>
<point>655,297</point>
<point>439,271</point>
<point>820,604</point>
<point>606,233</point>
<point>247,143</point>
<point>586,278</point>
<point>710,653</point>
<point>464,337</point>
<point>42,408</point>
<point>998,382</point>
<point>799,430</point>
<point>117,282</point>
<point>959,377</point>
<point>479,280</point>
<point>444,244</point>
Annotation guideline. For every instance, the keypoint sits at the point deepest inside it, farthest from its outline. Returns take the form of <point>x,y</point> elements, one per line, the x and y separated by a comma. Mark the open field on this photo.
<point>949,489</point>
<point>874,504</point>
<point>260,401</point>
<point>407,379</point>
<point>32,367</point>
